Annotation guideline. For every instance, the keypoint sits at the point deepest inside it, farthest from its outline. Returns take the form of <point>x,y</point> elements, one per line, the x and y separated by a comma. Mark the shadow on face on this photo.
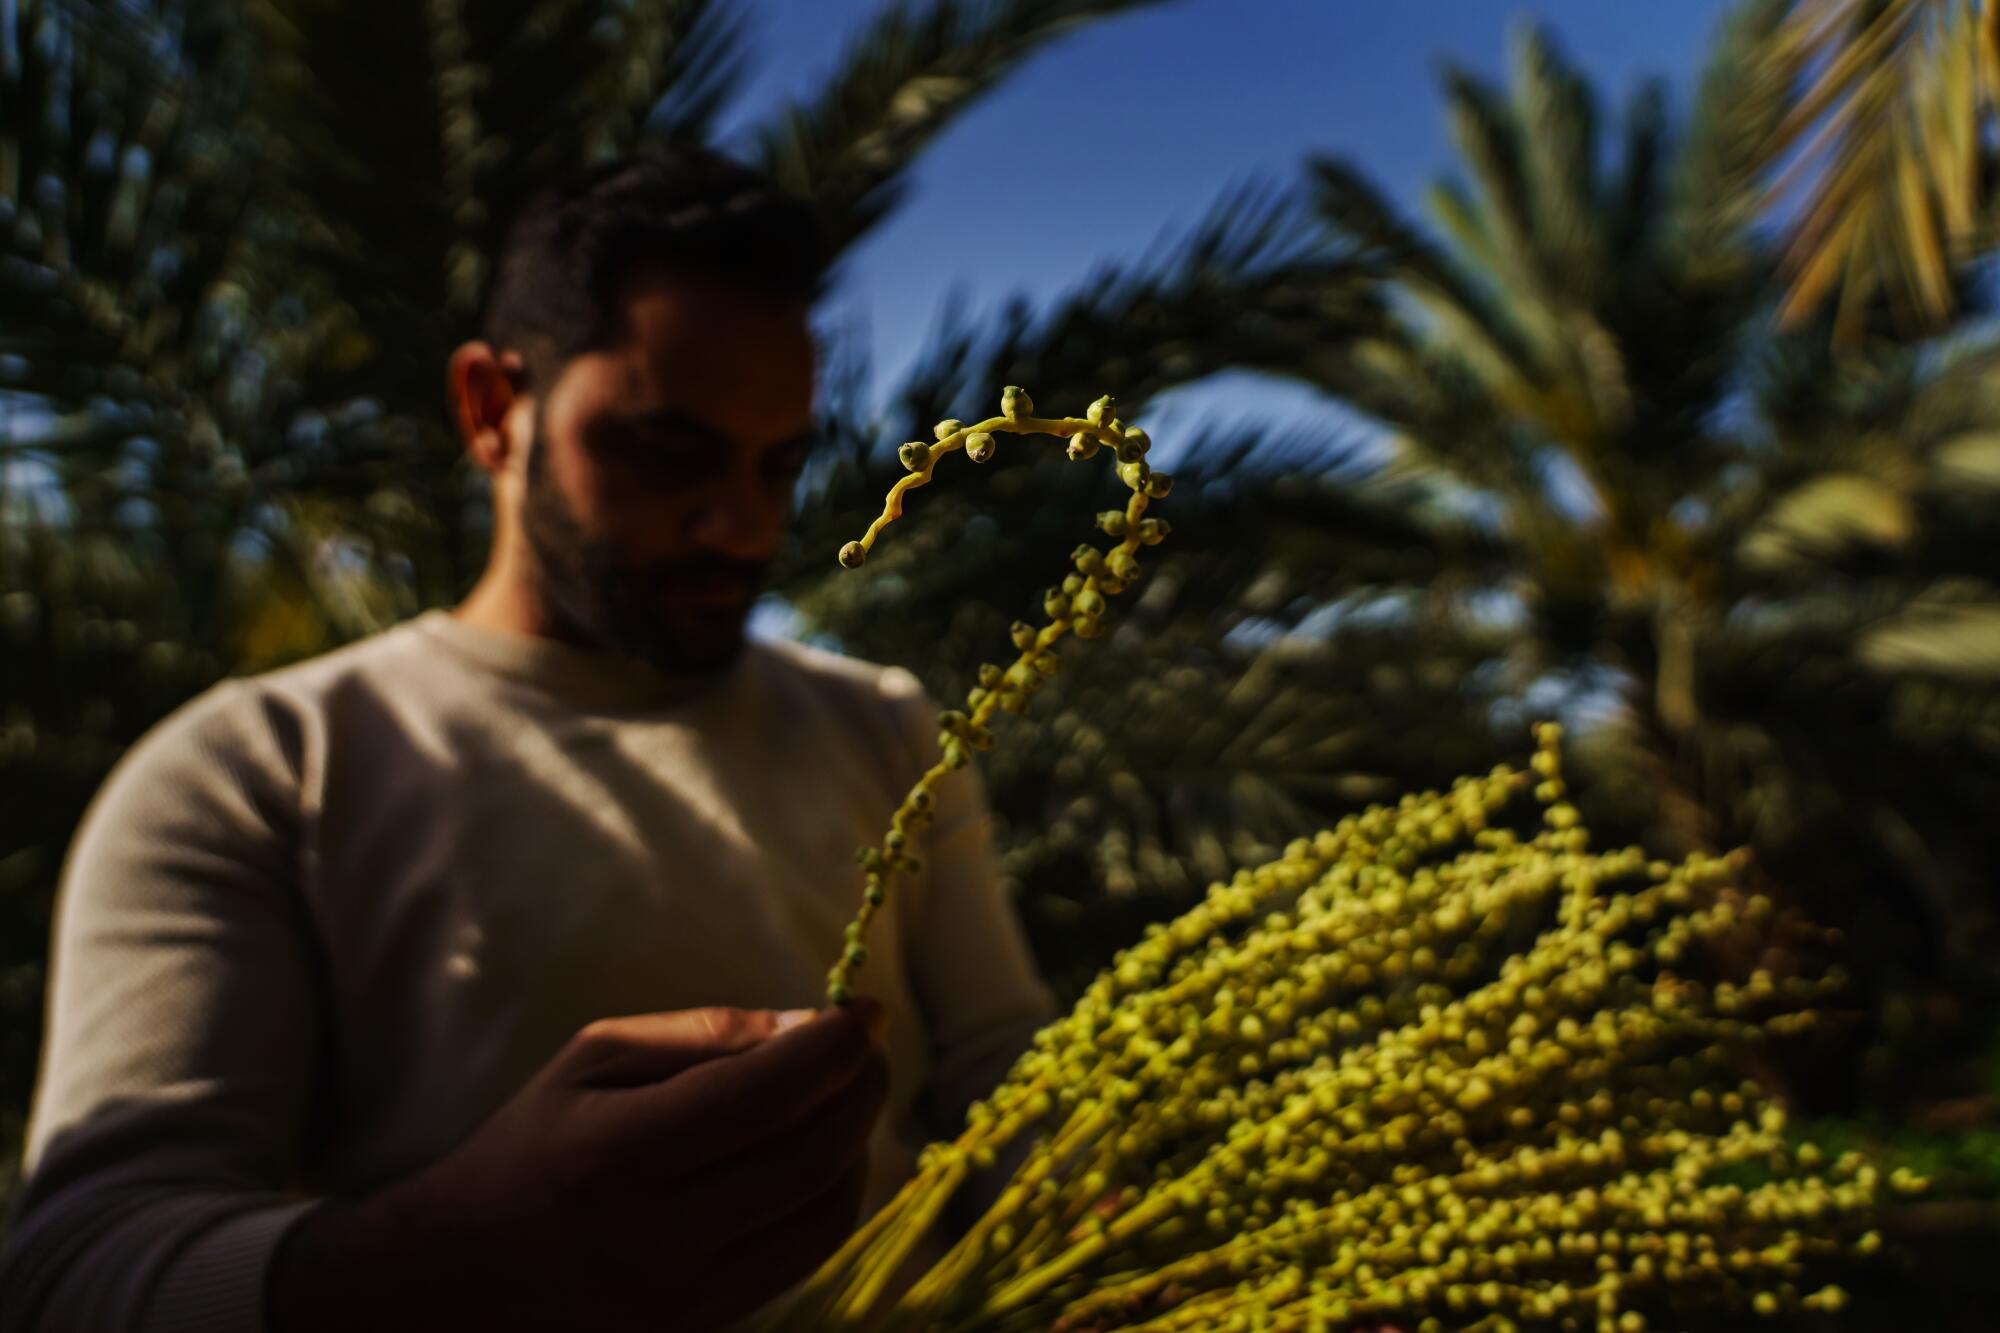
<point>660,479</point>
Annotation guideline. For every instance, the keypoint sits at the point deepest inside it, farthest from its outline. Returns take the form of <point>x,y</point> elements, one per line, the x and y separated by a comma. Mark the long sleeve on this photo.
<point>181,1040</point>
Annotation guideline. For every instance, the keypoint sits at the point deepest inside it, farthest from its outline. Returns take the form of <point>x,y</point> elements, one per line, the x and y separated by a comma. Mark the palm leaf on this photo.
<point>1885,134</point>
<point>904,78</point>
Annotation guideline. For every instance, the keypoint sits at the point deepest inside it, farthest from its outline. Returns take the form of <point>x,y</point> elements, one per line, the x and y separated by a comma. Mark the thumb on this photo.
<point>638,1049</point>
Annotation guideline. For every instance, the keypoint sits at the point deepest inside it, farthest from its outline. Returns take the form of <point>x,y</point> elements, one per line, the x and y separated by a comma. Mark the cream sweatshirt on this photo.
<point>319,923</point>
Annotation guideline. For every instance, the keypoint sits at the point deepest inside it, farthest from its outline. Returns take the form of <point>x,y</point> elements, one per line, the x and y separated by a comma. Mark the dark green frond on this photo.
<point>1489,138</point>
<point>706,62</point>
<point>1717,192</point>
<point>123,203</point>
<point>1632,196</point>
<point>904,78</point>
<point>1558,117</point>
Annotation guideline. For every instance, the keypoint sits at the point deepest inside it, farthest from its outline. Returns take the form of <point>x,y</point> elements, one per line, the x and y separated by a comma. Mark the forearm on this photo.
<point>376,1262</point>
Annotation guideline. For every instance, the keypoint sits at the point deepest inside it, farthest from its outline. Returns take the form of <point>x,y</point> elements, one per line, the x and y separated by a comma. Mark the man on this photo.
<point>435,983</point>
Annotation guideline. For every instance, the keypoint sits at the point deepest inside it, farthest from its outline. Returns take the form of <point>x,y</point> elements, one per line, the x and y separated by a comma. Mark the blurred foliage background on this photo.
<point>1684,428</point>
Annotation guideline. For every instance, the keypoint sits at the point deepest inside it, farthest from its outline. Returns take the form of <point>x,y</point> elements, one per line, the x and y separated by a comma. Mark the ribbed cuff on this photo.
<point>215,1284</point>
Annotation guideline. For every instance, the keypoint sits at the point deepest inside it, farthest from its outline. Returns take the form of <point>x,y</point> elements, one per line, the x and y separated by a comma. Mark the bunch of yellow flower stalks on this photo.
<point>1435,1067</point>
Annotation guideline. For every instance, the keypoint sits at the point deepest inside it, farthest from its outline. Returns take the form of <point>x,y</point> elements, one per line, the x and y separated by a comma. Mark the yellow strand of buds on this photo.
<point>1075,606</point>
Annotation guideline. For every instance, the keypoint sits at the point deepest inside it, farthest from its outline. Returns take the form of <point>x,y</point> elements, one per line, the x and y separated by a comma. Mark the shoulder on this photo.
<point>389,654</point>
<point>883,709</point>
<point>842,679</point>
<point>252,726</point>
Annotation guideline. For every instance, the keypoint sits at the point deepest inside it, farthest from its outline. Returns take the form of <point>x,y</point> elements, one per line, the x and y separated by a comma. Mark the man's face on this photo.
<point>660,478</point>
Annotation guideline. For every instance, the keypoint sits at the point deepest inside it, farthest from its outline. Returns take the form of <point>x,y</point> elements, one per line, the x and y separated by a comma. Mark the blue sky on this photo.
<point>1133,125</point>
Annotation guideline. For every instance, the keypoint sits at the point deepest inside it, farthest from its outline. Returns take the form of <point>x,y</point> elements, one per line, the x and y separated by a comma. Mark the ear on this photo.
<point>481,386</point>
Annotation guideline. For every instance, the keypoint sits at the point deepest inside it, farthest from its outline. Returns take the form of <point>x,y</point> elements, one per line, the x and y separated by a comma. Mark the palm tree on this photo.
<point>1750,573</point>
<point>1763,564</point>
<point>240,237</point>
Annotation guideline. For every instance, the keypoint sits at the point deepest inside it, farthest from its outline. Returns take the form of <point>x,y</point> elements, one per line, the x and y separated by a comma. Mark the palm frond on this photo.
<point>903,79</point>
<point>552,84</point>
<point>124,203</point>
<point>1558,117</point>
<point>1717,192</point>
<point>1631,196</point>
<point>1490,140</point>
<point>1888,124</point>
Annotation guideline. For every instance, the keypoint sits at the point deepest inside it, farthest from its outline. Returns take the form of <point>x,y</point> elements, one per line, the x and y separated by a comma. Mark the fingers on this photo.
<point>718,1108</point>
<point>641,1049</point>
<point>755,1188</point>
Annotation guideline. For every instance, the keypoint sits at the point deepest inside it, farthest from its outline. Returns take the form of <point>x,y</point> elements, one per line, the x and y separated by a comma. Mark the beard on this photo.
<point>641,612</point>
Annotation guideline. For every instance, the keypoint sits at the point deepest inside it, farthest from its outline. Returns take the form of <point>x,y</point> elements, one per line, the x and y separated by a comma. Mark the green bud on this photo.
<point>1072,584</point>
<point>1023,635</point>
<point>868,858</point>
<point>954,753</point>
<point>1134,474</point>
<point>855,955</point>
<point>953,721</point>
<point>1046,663</point>
<point>1158,484</point>
<point>1082,447</point>
<point>852,554</point>
<point>916,455</point>
<point>1014,701</point>
<point>947,429</point>
<point>1054,604</point>
<point>979,446</point>
<point>1112,521</point>
<point>875,893</point>
<point>1015,403</point>
<point>1100,409</point>
<point>1086,627</point>
<point>1089,602</point>
<point>1122,563</point>
<point>1110,584</point>
<point>838,992</point>
<point>1153,531</point>
<point>1088,559</point>
<point>989,675</point>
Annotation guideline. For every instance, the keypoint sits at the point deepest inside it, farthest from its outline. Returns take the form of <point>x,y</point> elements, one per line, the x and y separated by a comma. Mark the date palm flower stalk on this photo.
<point>1075,606</point>
<point>1437,1066</point>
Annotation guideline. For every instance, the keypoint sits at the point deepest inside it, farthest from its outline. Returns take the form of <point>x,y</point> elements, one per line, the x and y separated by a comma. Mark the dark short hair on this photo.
<point>556,286</point>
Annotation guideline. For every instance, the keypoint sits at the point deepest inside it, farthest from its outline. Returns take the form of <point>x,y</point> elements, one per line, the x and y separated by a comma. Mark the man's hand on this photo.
<point>671,1170</point>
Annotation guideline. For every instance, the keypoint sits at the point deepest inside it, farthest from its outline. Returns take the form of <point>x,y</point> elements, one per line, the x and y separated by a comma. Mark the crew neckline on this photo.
<point>582,677</point>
